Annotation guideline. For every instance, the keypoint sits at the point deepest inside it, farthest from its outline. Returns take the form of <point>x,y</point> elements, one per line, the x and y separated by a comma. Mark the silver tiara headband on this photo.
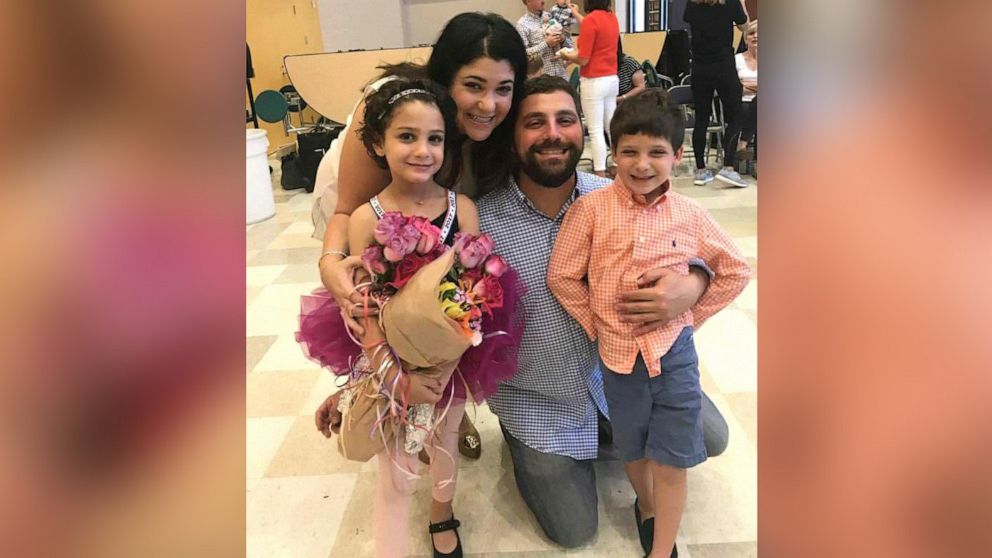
<point>406,92</point>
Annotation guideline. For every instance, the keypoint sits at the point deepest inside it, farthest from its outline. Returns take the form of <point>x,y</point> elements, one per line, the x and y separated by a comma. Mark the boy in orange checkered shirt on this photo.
<point>607,240</point>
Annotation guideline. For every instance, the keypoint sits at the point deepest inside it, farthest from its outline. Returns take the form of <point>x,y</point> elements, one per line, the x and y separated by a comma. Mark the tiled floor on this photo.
<point>305,501</point>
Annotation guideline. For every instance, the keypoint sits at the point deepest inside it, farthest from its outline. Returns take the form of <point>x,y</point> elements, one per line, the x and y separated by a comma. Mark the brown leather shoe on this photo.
<point>469,441</point>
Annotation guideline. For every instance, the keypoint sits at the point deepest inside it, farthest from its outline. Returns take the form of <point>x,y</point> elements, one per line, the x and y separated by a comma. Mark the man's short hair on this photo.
<point>548,84</point>
<point>650,113</point>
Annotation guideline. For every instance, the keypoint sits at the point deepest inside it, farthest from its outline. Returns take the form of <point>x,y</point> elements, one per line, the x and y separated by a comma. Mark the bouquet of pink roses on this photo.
<point>436,307</point>
<point>472,286</point>
<point>403,245</point>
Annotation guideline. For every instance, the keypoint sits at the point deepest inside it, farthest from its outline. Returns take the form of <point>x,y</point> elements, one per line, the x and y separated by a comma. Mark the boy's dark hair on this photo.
<point>548,84</point>
<point>604,5</point>
<point>381,105</point>
<point>650,113</point>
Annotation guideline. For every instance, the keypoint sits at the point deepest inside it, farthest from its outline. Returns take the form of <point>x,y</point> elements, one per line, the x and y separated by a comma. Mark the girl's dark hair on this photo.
<point>381,105</point>
<point>592,5</point>
<point>464,39</point>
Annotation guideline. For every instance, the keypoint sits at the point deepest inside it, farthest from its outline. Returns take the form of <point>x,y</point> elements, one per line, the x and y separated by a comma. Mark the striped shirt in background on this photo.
<point>563,15</point>
<point>610,238</point>
<point>531,29</point>
<point>626,74</point>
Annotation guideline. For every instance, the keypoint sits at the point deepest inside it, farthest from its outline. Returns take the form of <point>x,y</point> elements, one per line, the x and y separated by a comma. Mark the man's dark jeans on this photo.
<point>561,491</point>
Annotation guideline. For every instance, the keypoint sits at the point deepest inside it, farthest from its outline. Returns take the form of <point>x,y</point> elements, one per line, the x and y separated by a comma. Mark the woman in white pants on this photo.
<point>599,85</point>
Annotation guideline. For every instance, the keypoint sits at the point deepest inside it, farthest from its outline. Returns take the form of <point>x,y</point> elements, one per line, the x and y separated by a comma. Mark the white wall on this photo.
<point>374,24</point>
<point>620,8</point>
<point>424,19</point>
<point>361,24</point>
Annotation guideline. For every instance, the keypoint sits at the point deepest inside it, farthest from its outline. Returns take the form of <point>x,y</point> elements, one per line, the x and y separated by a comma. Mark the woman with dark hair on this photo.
<point>599,84</point>
<point>484,46</point>
<point>711,24</point>
<point>481,60</point>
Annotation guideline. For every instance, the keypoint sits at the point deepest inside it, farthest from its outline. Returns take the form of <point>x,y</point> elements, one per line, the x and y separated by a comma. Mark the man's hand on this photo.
<point>663,295</point>
<point>328,417</point>
<point>553,40</point>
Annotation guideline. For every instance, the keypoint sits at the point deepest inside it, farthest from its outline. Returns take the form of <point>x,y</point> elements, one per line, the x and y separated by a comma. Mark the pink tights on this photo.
<point>395,487</point>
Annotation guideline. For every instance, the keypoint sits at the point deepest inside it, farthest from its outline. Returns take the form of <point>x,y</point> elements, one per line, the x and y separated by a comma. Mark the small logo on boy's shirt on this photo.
<point>673,244</point>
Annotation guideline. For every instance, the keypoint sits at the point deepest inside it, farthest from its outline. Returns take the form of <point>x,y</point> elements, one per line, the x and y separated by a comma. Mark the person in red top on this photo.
<point>599,85</point>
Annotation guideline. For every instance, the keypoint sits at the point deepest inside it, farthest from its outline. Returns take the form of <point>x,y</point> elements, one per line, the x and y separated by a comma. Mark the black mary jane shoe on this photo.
<point>449,525</point>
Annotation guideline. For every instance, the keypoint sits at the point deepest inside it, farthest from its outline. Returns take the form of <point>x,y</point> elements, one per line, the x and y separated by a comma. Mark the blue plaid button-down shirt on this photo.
<point>551,403</point>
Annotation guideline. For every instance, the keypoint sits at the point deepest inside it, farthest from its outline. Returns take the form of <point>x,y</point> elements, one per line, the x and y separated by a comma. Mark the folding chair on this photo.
<point>650,74</point>
<point>682,97</point>
<point>573,79</point>
<point>653,78</point>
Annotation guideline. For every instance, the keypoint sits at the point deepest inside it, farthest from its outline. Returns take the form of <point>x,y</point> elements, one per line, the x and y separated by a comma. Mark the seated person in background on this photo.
<point>747,71</point>
<point>632,80</point>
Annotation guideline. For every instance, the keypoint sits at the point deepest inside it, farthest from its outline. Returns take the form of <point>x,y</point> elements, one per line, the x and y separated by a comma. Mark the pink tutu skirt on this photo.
<point>324,338</point>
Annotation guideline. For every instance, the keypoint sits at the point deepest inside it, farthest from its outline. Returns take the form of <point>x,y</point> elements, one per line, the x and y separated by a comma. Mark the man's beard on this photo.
<point>550,175</point>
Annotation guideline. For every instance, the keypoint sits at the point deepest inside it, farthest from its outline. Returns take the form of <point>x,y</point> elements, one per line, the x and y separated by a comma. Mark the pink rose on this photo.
<point>496,265</point>
<point>410,236</point>
<point>388,225</point>
<point>475,251</point>
<point>461,239</point>
<point>395,248</point>
<point>487,242</point>
<point>372,257</point>
<point>429,235</point>
<point>490,290</point>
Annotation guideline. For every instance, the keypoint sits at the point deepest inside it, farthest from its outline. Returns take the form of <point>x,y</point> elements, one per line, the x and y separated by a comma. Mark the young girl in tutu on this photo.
<point>406,122</point>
